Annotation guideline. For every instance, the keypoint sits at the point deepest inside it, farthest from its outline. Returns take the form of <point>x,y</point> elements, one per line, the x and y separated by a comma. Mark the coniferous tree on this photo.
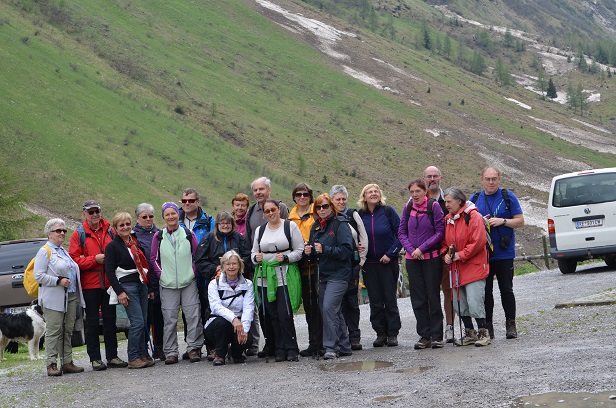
<point>478,64</point>
<point>551,91</point>
<point>541,84</point>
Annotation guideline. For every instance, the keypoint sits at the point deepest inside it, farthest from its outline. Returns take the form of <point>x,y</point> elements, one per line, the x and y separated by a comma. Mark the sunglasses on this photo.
<point>145,217</point>
<point>124,225</point>
<point>270,210</point>
<point>94,211</point>
<point>324,207</point>
<point>59,231</point>
<point>298,195</point>
<point>188,200</point>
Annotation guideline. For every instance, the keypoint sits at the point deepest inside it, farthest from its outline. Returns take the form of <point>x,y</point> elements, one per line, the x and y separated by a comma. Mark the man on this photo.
<point>261,190</point>
<point>87,248</point>
<point>432,177</point>
<point>502,210</point>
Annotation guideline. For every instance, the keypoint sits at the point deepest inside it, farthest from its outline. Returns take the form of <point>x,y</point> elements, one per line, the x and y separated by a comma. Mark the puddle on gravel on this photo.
<point>386,398</point>
<point>568,400</point>
<point>356,366</point>
<point>413,370</point>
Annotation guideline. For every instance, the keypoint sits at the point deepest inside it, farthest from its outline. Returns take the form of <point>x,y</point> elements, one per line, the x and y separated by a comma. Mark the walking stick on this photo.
<point>264,315</point>
<point>453,252</point>
<point>285,290</point>
<point>449,252</point>
<point>318,288</point>
<point>64,326</point>
<point>311,306</point>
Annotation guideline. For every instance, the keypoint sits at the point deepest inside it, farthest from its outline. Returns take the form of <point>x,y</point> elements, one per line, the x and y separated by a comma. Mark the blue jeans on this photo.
<point>137,311</point>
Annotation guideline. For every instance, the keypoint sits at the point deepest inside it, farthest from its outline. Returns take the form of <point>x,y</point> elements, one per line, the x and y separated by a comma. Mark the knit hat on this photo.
<point>170,204</point>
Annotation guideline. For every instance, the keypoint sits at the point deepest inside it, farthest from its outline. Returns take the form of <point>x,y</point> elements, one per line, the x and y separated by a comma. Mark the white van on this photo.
<point>582,218</point>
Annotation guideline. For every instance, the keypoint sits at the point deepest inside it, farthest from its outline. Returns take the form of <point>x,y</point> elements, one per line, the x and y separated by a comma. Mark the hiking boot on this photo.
<point>52,370</point>
<point>380,341</point>
<point>171,360</point>
<point>483,338</point>
<point>308,352</point>
<point>423,343</point>
<point>116,363</point>
<point>239,359</point>
<point>71,368</point>
<point>470,337</point>
<point>330,355</point>
<point>148,360</point>
<point>292,356</point>
<point>137,363</point>
<point>345,353</point>
<point>449,333</point>
<point>252,351</point>
<point>392,341</point>
<point>490,328</point>
<point>194,356</point>
<point>210,355</point>
<point>437,344</point>
<point>98,365</point>
<point>218,361</point>
<point>281,357</point>
<point>185,356</point>
<point>512,332</point>
<point>266,352</point>
<point>356,345</point>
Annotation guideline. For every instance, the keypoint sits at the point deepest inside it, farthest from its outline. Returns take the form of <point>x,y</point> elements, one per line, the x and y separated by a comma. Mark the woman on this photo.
<point>172,254</point>
<point>240,204</point>
<point>466,254</point>
<point>331,239</point>
<point>144,231</point>
<point>126,268</point>
<point>420,233</point>
<point>231,300</point>
<point>381,269</point>
<point>59,296</point>
<point>277,246</point>
<point>350,302</point>
<point>302,215</point>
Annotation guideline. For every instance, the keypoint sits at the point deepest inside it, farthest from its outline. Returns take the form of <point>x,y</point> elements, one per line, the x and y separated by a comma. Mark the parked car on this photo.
<point>582,218</point>
<point>14,258</point>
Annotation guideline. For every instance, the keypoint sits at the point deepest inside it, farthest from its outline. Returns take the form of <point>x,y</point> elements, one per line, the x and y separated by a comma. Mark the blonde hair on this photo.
<point>227,256</point>
<point>119,217</point>
<point>362,196</point>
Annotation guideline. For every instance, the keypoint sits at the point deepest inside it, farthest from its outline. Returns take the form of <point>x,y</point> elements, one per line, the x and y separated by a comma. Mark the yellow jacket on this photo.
<point>304,223</point>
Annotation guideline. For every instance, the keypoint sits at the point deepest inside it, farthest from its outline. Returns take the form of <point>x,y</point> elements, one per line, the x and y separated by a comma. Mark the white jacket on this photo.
<point>241,307</point>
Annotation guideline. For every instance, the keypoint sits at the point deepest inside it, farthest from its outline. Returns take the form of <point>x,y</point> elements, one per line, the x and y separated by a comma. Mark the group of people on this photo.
<point>254,266</point>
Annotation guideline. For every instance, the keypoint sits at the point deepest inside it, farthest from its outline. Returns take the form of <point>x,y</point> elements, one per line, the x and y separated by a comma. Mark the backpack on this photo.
<point>355,258</point>
<point>30,284</point>
<point>159,236</point>
<point>83,235</point>
<point>388,213</point>
<point>504,192</point>
<point>287,233</point>
<point>430,211</point>
<point>489,244</point>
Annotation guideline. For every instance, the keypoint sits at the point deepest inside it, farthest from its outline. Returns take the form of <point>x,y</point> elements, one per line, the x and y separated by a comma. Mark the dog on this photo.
<point>28,326</point>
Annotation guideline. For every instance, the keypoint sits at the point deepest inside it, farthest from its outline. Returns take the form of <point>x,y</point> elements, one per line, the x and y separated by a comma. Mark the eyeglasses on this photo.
<point>188,200</point>
<point>94,211</point>
<point>145,217</point>
<point>224,223</point>
<point>298,195</point>
<point>270,210</point>
<point>324,207</point>
<point>59,231</point>
<point>124,225</point>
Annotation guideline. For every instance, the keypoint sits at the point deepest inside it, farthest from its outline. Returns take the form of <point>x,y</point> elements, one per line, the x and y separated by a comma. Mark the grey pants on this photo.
<point>472,297</point>
<point>335,332</point>
<point>171,300</point>
<point>53,335</point>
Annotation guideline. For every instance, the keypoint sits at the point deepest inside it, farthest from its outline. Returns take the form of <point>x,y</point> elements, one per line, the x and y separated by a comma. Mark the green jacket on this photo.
<point>267,269</point>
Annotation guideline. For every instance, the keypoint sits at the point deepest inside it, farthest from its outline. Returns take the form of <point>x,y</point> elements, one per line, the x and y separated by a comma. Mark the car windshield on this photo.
<point>585,189</point>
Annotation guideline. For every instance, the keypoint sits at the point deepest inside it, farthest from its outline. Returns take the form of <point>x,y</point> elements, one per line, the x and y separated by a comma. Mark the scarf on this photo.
<point>139,259</point>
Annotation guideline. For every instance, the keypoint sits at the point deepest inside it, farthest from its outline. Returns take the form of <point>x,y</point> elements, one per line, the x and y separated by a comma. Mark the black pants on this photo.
<point>99,299</point>
<point>155,322</point>
<point>281,315</point>
<point>425,287</point>
<point>381,281</point>
<point>219,334</point>
<point>313,313</point>
<point>350,307</point>
<point>266,323</point>
<point>503,270</point>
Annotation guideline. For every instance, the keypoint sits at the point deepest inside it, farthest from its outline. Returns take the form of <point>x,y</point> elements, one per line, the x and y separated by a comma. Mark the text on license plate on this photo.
<point>589,223</point>
<point>15,310</point>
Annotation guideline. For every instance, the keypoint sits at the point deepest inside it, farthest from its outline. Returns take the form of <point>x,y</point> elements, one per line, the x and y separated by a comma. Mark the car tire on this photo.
<point>567,265</point>
<point>78,338</point>
<point>610,260</point>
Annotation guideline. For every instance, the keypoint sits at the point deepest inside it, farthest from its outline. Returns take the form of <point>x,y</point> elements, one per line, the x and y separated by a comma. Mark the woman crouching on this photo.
<point>231,300</point>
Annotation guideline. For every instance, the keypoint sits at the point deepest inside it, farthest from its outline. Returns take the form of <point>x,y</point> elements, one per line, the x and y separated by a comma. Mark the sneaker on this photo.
<point>137,363</point>
<point>307,352</point>
<point>171,360</point>
<point>490,328</point>
<point>423,343</point>
<point>52,370</point>
<point>483,338</point>
<point>98,365</point>
<point>71,368</point>
<point>330,355</point>
<point>356,345</point>
<point>345,353</point>
<point>512,332</point>
<point>116,363</point>
<point>470,337</point>
<point>449,333</point>
<point>219,361</point>
<point>380,341</point>
<point>437,344</point>
<point>211,355</point>
<point>252,351</point>
<point>292,356</point>
<point>194,356</point>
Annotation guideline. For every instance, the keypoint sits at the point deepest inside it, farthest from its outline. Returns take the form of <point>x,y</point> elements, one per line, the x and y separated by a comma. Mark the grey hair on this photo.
<point>456,193</point>
<point>191,191</point>
<point>265,180</point>
<point>337,189</point>
<point>52,223</point>
<point>143,207</point>
<point>227,256</point>
<point>498,172</point>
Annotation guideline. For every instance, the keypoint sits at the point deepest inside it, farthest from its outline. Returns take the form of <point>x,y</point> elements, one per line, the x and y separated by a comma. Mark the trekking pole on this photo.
<point>310,305</point>
<point>64,326</point>
<point>318,288</point>
<point>449,252</point>
<point>285,290</point>
<point>458,296</point>
<point>264,315</point>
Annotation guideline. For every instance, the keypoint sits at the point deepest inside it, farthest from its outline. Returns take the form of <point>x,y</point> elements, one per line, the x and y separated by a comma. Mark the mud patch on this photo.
<point>568,400</point>
<point>356,366</point>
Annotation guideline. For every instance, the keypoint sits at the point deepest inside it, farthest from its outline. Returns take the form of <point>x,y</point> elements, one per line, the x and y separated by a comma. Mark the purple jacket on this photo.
<point>417,231</point>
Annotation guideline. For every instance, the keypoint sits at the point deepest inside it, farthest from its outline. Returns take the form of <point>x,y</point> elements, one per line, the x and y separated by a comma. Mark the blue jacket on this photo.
<point>382,234</point>
<point>204,224</point>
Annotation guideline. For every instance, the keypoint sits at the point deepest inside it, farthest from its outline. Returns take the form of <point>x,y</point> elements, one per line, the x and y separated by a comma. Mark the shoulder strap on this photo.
<point>261,232</point>
<point>467,217</point>
<point>407,209</point>
<point>82,235</point>
<point>431,211</point>
<point>475,197</point>
<point>287,233</point>
<point>506,198</point>
<point>351,219</point>
<point>48,251</point>
<point>389,215</point>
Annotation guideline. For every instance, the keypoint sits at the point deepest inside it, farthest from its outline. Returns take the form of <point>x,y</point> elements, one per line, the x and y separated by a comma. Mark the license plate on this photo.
<point>15,310</point>
<point>589,223</point>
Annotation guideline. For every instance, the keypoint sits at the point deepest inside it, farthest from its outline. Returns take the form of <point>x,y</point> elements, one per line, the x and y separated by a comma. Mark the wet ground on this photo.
<point>564,357</point>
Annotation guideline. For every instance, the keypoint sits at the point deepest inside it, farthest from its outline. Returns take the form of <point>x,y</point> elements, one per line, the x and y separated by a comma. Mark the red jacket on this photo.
<point>469,242</point>
<point>92,274</point>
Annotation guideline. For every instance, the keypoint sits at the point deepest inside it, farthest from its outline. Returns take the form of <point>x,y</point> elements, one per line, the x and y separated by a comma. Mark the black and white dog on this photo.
<point>26,326</point>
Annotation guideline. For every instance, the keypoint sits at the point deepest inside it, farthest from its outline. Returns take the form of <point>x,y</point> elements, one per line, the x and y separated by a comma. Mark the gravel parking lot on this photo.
<point>560,350</point>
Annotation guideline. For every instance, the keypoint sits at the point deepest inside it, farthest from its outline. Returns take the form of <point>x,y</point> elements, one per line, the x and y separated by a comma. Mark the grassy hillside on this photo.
<point>134,101</point>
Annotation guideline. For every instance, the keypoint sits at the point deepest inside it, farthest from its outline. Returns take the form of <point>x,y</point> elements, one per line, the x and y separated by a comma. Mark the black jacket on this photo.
<point>210,250</point>
<point>335,261</point>
<point>116,254</point>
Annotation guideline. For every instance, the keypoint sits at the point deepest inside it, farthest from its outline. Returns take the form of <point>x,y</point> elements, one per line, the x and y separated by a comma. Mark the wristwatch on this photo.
<point>504,222</point>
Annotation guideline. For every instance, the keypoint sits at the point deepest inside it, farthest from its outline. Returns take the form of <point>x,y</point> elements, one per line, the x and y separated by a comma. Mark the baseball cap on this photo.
<point>90,204</point>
